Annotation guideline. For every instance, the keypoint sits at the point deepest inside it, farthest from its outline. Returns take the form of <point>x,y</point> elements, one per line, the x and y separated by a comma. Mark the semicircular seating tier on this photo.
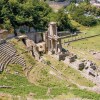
<point>8,54</point>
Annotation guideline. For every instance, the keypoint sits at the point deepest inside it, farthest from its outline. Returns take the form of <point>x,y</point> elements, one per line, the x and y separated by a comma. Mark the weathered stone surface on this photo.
<point>41,47</point>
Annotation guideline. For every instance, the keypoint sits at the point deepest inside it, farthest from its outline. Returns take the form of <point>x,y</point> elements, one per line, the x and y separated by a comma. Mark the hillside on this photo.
<point>49,51</point>
<point>48,79</point>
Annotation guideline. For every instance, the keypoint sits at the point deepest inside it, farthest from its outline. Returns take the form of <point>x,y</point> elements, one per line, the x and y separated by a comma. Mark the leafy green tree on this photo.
<point>7,24</point>
<point>24,12</point>
<point>98,11</point>
<point>33,13</point>
<point>71,7</point>
<point>40,17</point>
<point>63,21</point>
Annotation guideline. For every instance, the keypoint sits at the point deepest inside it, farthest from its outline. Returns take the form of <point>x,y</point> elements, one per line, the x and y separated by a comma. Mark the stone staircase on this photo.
<point>8,54</point>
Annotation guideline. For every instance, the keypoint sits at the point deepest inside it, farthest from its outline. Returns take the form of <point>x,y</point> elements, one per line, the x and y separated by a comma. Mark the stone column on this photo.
<point>56,31</point>
<point>52,28</point>
<point>51,45</point>
<point>60,46</point>
<point>48,44</point>
<point>56,46</point>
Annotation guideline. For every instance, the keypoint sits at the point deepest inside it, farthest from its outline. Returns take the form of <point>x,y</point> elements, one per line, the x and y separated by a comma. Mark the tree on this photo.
<point>24,12</point>
<point>63,21</point>
<point>40,17</point>
<point>71,7</point>
<point>98,11</point>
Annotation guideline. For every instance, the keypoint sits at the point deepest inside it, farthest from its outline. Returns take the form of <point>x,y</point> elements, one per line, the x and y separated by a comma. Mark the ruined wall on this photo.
<point>30,32</point>
<point>64,33</point>
<point>36,37</point>
<point>32,48</point>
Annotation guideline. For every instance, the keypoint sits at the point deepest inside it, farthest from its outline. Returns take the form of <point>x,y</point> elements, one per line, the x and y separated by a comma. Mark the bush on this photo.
<point>86,21</point>
<point>78,13</point>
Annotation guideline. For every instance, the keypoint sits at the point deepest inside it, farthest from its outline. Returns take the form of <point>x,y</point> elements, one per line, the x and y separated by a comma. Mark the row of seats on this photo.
<point>18,60</point>
<point>8,54</point>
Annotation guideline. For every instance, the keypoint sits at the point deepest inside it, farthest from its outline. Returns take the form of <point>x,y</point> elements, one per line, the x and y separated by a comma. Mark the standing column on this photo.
<point>51,45</point>
<point>56,46</point>
<point>51,30</point>
<point>60,46</point>
<point>56,31</point>
<point>48,44</point>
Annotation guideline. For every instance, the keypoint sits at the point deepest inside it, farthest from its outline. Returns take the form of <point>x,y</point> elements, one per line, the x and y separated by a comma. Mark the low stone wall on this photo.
<point>64,33</point>
<point>80,38</point>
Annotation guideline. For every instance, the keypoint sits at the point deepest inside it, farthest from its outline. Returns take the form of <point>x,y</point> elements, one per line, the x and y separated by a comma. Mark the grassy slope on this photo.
<point>82,47</point>
<point>71,74</point>
<point>18,80</point>
<point>40,79</point>
<point>89,32</point>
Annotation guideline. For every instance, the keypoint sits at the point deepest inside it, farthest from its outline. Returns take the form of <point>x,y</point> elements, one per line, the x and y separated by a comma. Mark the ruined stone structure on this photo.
<point>53,41</point>
<point>48,42</point>
<point>78,64</point>
<point>9,55</point>
<point>33,48</point>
